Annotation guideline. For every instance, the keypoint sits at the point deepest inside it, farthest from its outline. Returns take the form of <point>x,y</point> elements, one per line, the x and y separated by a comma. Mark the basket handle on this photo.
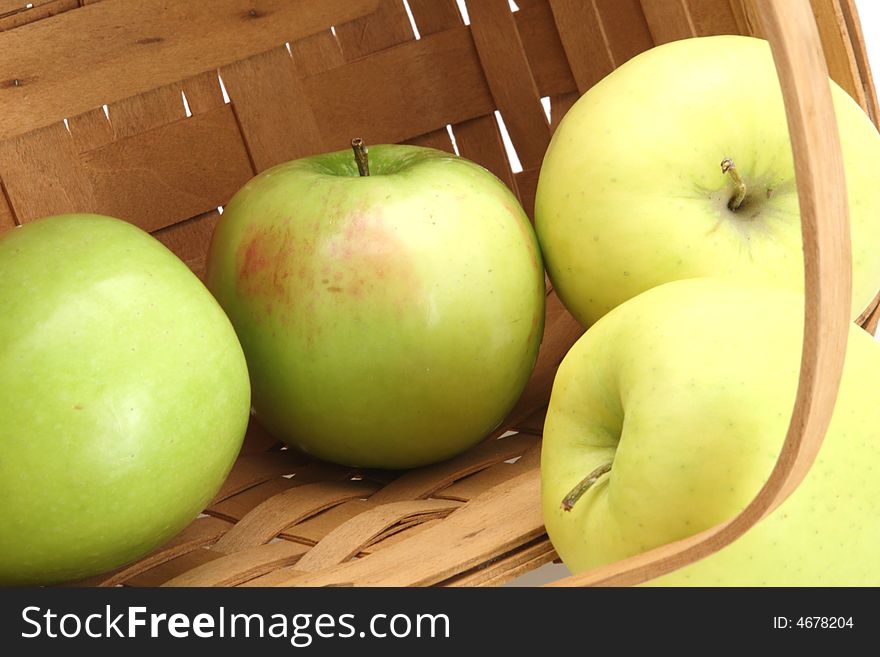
<point>791,30</point>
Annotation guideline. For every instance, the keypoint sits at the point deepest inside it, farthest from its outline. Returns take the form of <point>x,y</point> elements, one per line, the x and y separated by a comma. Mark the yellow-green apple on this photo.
<point>632,192</point>
<point>389,320</point>
<point>124,397</point>
<point>679,400</point>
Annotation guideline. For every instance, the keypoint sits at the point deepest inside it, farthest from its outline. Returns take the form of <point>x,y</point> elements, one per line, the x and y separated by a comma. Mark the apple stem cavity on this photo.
<point>583,486</point>
<point>360,156</point>
<point>727,166</point>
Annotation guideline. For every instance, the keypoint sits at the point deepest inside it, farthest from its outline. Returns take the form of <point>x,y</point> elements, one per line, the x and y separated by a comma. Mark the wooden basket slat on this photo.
<point>839,53</point>
<point>438,139</point>
<point>239,567</point>
<point>386,27</point>
<point>860,56</point>
<point>157,178</point>
<point>477,139</point>
<point>584,41</point>
<point>500,520</point>
<point>424,482</point>
<point>624,28</point>
<point>437,79</point>
<point>431,17</point>
<point>90,130</point>
<point>254,469</point>
<point>268,519</point>
<point>466,489</point>
<point>543,48</point>
<point>480,140</point>
<point>669,20</point>
<point>203,92</point>
<point>711,18</point>
<point>9,7</point>
<point>143,45</point>
<point>502,569</point>
<point>515,94</point>
<point>349,538</point>
<point>188,239</point>
<point>311,530</point>
<point>276,119</point>
<point>235,507</point>
<point>39,11</point>
<point>316,53</point>
<point>146,111</point>
<point>41,174</point>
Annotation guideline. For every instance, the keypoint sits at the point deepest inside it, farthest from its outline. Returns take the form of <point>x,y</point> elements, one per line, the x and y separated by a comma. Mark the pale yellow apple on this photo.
<point>687,391</point>
<point>631,192</point>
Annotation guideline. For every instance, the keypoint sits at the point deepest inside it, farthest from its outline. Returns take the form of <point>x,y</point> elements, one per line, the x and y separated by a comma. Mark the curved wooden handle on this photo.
<point>794,39</point>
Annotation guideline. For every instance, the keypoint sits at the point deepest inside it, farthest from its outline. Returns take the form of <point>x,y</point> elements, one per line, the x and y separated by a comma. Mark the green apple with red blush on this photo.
<point>390,304</point>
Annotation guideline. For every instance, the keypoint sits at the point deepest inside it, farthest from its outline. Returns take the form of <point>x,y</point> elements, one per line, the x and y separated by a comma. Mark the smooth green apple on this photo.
<point>123,397</point>
<point>687,391</point>
<point>632,194</point>
<point>389,320</point>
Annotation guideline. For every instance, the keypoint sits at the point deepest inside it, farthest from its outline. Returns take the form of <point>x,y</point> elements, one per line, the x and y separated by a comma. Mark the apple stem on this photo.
<point>360,156</point>
<point>583,486</point>
<point>727,166</point>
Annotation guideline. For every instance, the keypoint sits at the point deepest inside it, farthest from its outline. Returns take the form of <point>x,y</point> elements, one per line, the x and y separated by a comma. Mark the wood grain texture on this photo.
<point>510,79</point>
<point>423,482</point>
<point>268,519</point>
<point>711,17</point>
<point>146,111</point>
<point>403,92</point>
<point>543,48</point>
<point>143,45</point>
<point>625,28</point>
<point>386,27</point>
<point>478,139</point>
<point>171,173</point>
<point>40,10</point>
<point>233,569</point>
<point>491,525</point>
<point>348,538</point>
<point>838,48</point>
<point>669,20</point>
<point>202,91</point>
<point>42,176</point>
<point>583,38</point>
<point>275,116</point>
<point>312,530</point>
<point>253,469</point>
<point>236,507</point>
<point>860,53</point>
<point>505,568</point>
<point>803,76</point>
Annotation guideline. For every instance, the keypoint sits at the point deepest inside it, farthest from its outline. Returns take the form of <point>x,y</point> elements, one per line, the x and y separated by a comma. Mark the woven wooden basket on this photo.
<point>117,107</point>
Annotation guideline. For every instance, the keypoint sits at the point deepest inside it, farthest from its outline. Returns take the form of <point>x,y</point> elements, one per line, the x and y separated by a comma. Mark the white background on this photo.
<point>869,15</point>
